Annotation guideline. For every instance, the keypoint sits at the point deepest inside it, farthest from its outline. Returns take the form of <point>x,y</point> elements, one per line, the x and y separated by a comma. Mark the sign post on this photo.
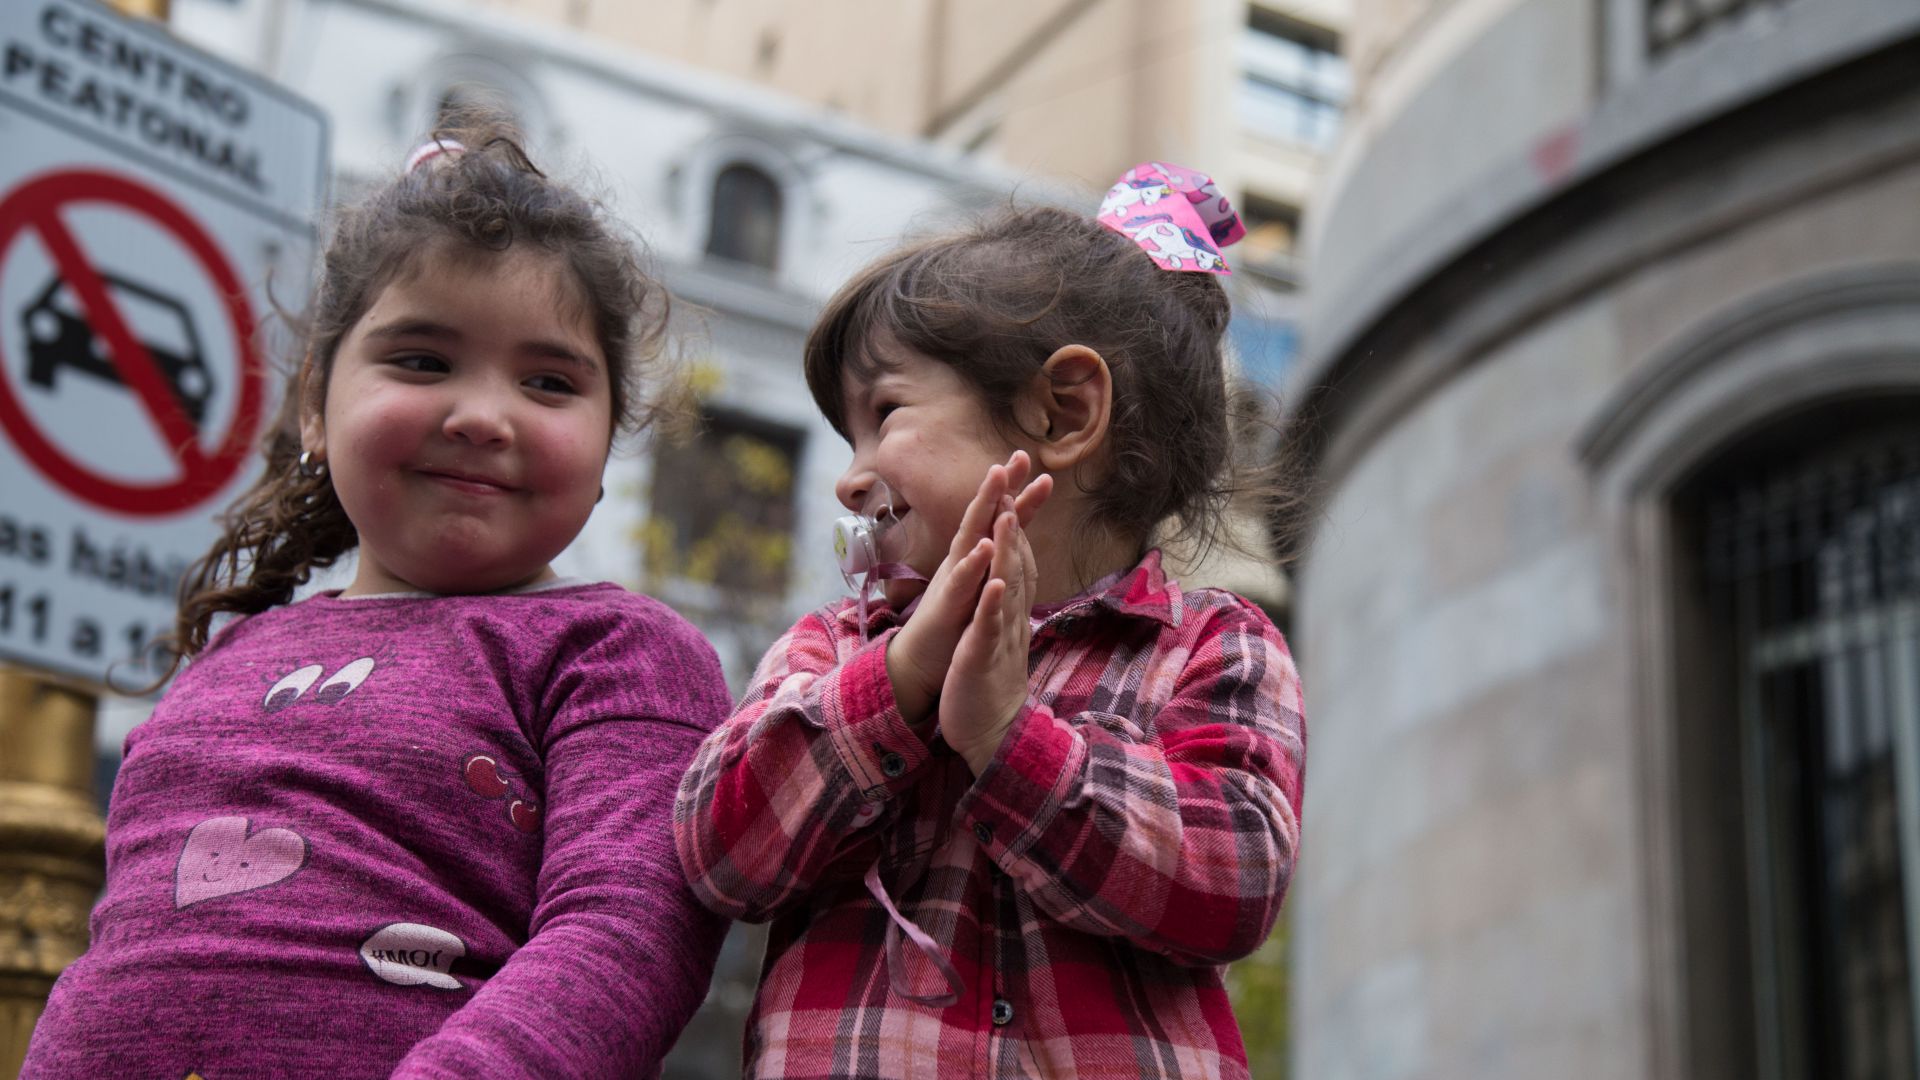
<point>148,193</point>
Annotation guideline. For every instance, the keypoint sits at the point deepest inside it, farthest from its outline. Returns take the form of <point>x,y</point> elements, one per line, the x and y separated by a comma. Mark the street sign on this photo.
<point>147,195</point>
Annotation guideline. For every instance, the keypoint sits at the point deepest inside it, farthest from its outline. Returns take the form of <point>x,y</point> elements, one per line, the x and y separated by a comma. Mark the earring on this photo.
<point>310,467</point>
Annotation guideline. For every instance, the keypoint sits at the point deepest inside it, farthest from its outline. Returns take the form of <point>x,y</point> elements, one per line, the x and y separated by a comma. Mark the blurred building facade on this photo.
<point>1612,620</point>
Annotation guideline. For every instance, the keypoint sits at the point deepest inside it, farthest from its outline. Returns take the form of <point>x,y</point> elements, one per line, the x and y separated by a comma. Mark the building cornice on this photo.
<point>1353,344</point>
<point>739,104</point>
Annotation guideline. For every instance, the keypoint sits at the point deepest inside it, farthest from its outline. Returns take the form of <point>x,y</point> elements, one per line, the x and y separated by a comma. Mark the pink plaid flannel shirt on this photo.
<point>1133,835</point>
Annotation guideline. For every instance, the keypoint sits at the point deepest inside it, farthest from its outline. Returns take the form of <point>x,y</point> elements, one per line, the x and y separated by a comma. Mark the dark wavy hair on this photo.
<point>474,204</point>
<point>995,299</point>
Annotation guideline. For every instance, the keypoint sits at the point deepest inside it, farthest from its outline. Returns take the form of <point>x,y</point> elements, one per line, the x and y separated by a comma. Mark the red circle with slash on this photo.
<point>36,207</point>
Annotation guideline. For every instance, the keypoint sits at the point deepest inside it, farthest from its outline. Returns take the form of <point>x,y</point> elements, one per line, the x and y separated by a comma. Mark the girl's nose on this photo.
<point>478,419</point>
<point>852,487</point>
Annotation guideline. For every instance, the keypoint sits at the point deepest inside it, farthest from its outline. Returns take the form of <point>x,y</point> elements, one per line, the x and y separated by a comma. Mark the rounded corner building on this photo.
<point>1611,621</point>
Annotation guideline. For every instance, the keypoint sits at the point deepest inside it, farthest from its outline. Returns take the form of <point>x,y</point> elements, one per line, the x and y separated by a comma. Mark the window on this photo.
<point>723,508</point>
<point>746,220</point>
<point>465,81</point>
<point>1273,231</point>
<point>1813,577</point>
<point>460,103</point>
<point>1293,81</point>
<point>1673,22</point>
<point>1267,347</point>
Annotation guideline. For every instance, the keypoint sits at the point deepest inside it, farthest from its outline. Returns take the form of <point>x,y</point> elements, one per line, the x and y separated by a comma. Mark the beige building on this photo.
<point>1071,91</point>
<point>1610,625</point>
<point>1079,89</point>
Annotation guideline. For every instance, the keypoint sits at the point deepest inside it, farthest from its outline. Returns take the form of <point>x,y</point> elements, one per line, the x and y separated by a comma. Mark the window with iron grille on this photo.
<point>1813,563</point>
<point>1670,23</point>
<point>722,513</point>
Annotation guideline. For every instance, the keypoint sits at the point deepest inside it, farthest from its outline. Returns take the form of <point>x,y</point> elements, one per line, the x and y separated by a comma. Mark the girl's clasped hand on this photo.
<point>966,646</point>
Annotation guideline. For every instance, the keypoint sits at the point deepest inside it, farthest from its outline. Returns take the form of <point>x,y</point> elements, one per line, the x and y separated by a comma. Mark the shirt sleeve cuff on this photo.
<point>881,752</point>
<point>1024,786</point>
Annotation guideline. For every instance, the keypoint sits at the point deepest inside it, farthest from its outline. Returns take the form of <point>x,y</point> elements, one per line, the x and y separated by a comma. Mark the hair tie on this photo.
<point>1176,215</point>
<point>431,149</point>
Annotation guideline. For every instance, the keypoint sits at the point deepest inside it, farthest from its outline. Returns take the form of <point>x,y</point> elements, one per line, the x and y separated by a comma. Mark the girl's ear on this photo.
<point>1071,400</point>
<point>313,426</point>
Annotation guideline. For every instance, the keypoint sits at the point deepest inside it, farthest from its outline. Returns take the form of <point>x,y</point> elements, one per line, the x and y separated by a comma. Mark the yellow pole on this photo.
<point>146,9</point>
<point>52,841</point>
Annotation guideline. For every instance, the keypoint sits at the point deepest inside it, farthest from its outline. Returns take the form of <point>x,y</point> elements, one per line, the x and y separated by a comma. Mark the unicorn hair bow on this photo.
<point>1177,216</point>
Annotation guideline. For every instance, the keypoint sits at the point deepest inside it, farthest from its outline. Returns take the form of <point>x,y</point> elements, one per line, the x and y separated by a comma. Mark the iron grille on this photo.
<point>1817,569</point>
<point>1673,22</point>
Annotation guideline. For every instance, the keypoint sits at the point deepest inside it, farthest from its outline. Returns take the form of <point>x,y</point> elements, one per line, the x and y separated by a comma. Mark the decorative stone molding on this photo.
<point>52,842</point>
<point>1854,331</point>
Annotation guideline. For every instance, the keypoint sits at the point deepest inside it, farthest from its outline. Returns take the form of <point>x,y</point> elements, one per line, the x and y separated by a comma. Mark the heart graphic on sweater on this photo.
<point>220,858</point>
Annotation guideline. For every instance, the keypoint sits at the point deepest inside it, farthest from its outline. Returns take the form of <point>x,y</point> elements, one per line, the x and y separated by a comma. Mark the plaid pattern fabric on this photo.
<point>1134,834</point>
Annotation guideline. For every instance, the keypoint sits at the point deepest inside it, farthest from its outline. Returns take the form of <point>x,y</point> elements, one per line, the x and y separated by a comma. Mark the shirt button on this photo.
<point>983,832</point>
<point>893,765</point>
<point>1002,1012</point>
<point>866,813</point>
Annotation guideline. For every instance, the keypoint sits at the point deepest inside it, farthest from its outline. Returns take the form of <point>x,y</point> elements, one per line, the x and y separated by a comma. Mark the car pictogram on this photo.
<point>59,336</point>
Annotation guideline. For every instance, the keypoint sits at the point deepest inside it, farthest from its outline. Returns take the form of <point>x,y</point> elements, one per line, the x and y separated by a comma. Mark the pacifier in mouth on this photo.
<point>871,547</point>
<point>861,541</point>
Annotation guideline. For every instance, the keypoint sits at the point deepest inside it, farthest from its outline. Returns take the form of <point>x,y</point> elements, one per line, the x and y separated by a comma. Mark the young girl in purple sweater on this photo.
<point>420,827</point>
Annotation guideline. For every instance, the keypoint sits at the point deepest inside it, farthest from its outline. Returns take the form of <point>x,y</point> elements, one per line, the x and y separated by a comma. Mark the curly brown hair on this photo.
<point>995,299</point>
<point>473,204</point>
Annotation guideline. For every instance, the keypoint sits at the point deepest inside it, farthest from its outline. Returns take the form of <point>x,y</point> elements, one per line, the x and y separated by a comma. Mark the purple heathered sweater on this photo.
<point>436,829</point>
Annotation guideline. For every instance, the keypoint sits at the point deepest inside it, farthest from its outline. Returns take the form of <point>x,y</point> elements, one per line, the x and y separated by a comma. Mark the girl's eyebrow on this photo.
<point>885,380</point>
<point>435,331</point>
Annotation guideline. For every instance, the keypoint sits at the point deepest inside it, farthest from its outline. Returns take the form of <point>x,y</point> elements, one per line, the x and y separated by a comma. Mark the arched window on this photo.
<point>1767,473</point>
<point>459,99</point>
<point>745,224</point>
<point>1813,569</point>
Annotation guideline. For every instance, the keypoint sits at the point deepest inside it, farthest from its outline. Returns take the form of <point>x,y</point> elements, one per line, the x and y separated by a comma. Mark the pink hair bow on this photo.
<point>431,149</point>
<point>1176,215</point>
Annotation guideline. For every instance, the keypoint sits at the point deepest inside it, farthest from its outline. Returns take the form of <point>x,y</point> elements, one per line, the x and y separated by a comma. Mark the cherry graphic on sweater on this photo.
<point>487,778</point>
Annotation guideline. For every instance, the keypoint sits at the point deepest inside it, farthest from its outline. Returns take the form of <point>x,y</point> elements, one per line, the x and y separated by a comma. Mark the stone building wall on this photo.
<point>1515,364</point>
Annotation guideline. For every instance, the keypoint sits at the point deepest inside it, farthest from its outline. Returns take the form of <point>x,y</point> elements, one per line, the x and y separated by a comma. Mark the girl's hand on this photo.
<point>919,655</point>
<point>986,684</point>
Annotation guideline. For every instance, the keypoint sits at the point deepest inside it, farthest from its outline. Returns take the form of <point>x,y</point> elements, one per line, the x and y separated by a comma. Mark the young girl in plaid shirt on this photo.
<point>1017,817</point>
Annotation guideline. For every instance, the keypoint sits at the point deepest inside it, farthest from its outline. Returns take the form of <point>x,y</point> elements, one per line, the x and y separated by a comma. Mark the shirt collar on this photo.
<point>1145,592</point>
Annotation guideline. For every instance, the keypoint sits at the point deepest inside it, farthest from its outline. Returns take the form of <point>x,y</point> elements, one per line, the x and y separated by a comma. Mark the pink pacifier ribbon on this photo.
<point>866,557</point>
<point>1177,216</point>
<point>922,941</point>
